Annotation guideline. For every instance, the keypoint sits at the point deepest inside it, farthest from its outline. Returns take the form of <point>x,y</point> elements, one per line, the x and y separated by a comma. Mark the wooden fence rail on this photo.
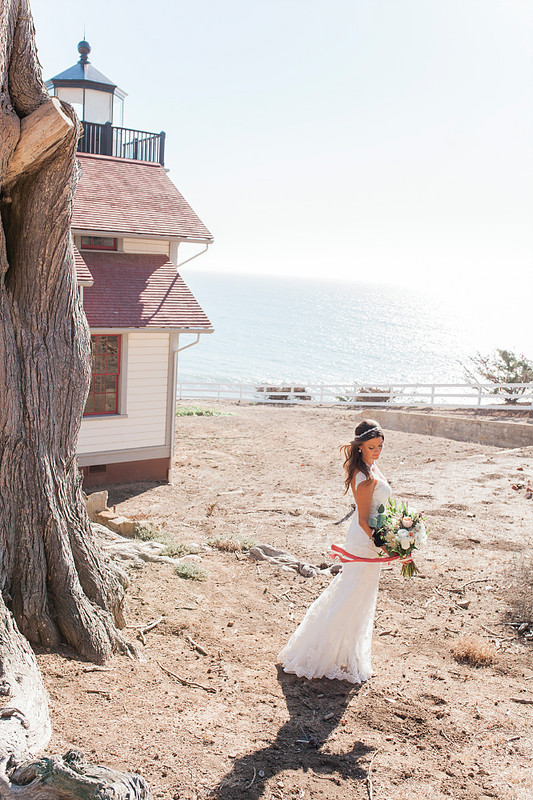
<point>508,396</point>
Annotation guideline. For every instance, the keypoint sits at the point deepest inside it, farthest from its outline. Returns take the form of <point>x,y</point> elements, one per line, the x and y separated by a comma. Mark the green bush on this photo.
<point>502,366</point>
<point>146,532</point>
<point>230,545</point>
<point>179,549</point>
<point>189,571</point>
<point>196,411</point>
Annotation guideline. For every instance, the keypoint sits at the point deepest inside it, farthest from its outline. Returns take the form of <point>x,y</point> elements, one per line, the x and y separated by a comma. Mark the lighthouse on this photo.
<point>129,225</point>
<point>99,104</point>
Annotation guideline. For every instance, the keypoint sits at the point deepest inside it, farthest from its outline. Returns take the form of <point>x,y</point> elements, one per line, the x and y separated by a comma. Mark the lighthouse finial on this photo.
<point>84,48</point>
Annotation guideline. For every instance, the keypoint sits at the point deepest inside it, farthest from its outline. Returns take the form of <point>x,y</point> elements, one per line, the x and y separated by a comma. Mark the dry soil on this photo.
<point>427,726</point>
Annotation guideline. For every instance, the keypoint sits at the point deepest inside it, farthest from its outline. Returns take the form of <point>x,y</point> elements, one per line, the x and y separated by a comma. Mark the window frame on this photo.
<point>118,375</point>
<point>91,246</point>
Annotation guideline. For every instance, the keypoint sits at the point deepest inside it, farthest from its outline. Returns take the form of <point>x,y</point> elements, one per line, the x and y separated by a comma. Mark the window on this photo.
<point>98,243</point>
<point>105,367</point>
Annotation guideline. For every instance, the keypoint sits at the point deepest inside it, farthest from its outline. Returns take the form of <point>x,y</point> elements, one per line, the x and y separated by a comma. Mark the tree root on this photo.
<point>70,777</point>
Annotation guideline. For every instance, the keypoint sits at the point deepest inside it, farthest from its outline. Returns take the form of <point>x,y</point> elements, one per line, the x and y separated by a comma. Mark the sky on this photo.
<point>386,141</point>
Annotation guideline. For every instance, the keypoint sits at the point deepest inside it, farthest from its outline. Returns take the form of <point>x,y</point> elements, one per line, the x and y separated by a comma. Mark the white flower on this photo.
<point>405,543</point>
<point>420,539</point>
<point>407,522</point>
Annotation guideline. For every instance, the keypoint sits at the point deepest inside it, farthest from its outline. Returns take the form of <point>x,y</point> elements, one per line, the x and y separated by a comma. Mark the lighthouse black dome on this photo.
<point>83,73</point>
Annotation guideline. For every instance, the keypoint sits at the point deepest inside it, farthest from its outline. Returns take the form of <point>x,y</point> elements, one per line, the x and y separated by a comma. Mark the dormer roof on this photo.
<point>132,290</point>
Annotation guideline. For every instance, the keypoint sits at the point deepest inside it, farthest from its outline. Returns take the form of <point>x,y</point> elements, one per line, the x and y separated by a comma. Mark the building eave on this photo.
<point>151,329</point>
<point>128,235</point>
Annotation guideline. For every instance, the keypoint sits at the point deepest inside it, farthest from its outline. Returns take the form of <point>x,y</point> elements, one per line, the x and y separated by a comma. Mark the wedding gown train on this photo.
<point>334,638</point>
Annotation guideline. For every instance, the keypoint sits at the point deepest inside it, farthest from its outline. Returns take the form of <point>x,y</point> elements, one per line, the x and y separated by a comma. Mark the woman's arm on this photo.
<point>363,497</point>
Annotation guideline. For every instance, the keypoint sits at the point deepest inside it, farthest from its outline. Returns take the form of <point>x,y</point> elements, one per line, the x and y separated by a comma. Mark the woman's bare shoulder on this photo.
<point>360,479</point>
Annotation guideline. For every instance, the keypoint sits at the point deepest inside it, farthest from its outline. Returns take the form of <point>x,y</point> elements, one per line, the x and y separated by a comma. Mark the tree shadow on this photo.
<point>315,709</point>
<point>119,492</point>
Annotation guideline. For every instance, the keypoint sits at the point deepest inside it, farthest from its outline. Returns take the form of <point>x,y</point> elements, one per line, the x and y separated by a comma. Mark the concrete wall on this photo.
<point>462,429</point>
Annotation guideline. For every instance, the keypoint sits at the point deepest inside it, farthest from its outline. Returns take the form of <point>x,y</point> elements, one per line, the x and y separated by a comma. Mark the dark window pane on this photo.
<point>112,344</point>
<point>100,365</point>
<point>105,368</point>
<point>99,242</point>
<point>101,344</point>
<point>112,364</point>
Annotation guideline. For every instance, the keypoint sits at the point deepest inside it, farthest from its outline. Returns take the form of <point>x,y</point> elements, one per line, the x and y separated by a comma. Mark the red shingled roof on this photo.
<point>82,270</point>
<point>122,196</point>
<point>139,291</point>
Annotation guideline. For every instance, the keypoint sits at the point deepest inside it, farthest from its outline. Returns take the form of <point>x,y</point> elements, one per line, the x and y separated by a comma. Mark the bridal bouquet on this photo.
<point>399,529</point>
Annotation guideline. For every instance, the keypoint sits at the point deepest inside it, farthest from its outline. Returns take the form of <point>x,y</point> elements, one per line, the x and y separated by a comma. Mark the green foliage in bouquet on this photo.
<point>380,520</point>
<point>399,529</point>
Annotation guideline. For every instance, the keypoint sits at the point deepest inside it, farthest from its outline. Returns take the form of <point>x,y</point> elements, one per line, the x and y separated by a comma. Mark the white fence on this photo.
<point>510,396</point>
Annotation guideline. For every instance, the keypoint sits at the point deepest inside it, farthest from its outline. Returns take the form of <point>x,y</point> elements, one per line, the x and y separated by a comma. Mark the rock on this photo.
<point>96,502</point>
<point>307,571</point>
<point>463,603</point>
<point>106,513</point>
<point>122,525</point>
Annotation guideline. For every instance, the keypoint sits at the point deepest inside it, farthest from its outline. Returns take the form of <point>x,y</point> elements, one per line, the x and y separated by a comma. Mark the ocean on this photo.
<point>303,331</point>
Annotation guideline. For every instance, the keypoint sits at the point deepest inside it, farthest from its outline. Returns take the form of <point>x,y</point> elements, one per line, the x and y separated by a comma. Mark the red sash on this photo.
<point>347,557</point>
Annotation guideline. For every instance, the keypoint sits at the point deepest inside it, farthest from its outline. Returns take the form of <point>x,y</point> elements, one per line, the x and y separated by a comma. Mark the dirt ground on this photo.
<point>426,726</point>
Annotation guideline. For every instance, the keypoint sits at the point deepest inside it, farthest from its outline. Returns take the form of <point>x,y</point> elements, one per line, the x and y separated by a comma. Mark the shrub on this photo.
<point>146,532</point>
<point>179,549</point>
<point>474,650</point>
<point>189,571</point>
<point>196,411</point>
<point>229,545</point>
<point>502,366</point>
<point>519,590</point>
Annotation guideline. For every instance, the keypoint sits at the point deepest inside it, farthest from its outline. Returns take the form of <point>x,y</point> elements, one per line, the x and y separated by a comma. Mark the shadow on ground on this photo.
<point>315,709</point>
<point>121,492</point>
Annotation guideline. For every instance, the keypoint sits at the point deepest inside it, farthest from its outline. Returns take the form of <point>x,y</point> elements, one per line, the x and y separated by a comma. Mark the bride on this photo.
<point>334,638</point>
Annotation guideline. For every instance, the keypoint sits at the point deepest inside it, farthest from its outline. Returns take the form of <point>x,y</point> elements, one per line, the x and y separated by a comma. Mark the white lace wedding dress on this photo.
<point>334,639</point>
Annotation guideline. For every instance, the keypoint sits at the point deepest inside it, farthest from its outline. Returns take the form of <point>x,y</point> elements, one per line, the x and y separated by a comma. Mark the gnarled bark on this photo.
<point>24,720</point>
<point>70,777</point>
<point>55,581</point>
<point>53,576</point>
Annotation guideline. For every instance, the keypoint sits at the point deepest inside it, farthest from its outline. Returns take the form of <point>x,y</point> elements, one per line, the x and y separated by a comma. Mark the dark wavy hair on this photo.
<point>353,458</point>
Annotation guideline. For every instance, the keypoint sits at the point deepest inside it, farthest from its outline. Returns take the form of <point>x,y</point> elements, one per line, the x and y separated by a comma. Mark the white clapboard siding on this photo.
<point>150,246</point>
<point>144,421</point>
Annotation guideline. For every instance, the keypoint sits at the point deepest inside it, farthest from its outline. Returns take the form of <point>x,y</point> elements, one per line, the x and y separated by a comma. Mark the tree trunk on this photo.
<point>53,576</point>
<point>55,581</point>
<point>24,720</point>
